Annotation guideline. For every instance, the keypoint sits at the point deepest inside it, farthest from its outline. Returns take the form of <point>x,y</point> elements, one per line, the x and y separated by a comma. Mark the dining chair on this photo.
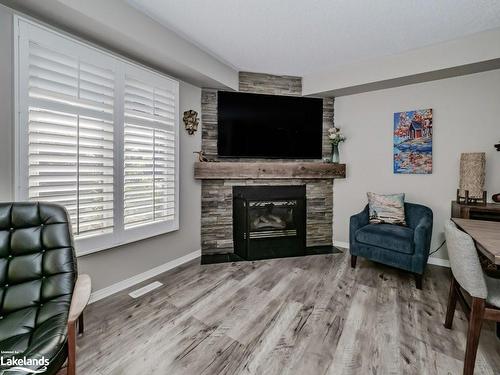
<point>468,278</point>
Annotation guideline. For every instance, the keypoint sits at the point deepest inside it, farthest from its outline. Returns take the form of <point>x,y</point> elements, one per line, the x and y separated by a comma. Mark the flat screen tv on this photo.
<point>269,126</point>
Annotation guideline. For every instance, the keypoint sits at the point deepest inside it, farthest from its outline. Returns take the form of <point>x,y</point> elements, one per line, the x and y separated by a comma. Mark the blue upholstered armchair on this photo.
<point>398,246</point>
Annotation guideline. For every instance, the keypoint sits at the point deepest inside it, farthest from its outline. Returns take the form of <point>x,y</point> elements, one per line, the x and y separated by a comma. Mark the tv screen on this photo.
<point>269,126</point>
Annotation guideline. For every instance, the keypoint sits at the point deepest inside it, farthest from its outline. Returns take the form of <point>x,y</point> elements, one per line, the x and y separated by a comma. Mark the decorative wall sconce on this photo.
<point>191,121</point>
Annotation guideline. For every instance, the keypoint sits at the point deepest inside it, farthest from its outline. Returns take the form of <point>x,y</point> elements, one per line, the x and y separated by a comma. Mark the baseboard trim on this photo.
<point>131,281</point>
<point>432,260</point>
<point>344,245</point>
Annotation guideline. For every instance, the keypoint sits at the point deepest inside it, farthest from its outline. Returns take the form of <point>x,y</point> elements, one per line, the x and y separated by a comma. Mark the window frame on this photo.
<point>121,66</point>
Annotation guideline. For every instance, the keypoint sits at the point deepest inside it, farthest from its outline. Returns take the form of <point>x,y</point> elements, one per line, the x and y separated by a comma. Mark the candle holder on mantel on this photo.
<point>472,173</point>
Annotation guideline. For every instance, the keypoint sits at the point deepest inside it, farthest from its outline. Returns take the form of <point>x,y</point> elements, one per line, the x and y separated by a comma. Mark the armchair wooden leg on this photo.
<point>80,324</point>
<point>353,261</point>
<point>418,281</point>
<point>81,296</point>
<point>473,332</point>
<point>71,369</point>
<point>452,303</point>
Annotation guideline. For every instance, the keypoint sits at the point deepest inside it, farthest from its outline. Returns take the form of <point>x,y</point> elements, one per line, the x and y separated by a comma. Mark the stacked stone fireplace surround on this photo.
<point>217,199</point>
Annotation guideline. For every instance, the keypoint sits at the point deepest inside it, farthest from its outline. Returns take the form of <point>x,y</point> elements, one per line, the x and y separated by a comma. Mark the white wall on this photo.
<point>111,266</point>
<point>6,105</point>
<point>466,119</point>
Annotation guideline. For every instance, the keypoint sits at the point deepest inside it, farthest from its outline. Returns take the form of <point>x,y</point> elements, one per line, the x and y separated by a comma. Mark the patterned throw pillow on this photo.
<point>388,209</point>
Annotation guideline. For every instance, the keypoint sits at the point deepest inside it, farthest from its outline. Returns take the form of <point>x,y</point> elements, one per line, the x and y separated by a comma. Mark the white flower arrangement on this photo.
<point>335,136</point>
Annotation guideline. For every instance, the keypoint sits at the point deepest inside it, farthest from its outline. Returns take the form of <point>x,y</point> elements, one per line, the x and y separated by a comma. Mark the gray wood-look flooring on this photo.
<point>309,315</point>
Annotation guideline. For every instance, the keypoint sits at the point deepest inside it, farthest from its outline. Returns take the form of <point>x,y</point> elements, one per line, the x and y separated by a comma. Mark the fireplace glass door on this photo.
<point>268,219</point>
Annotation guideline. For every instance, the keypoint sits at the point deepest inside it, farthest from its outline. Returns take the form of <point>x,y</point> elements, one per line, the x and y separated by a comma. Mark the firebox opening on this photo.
<point>269,221</point>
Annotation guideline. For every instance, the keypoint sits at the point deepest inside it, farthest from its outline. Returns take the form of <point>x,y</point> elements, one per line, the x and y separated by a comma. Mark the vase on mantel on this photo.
<point>335,137</point>
<point>335,154</point>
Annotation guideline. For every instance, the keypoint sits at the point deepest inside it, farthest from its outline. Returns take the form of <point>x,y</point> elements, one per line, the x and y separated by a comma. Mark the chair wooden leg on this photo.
<point>452,303</point>
<point>473,332</point>
<point>353,261</point>
<point>418,281</point>
<point>80,324</point>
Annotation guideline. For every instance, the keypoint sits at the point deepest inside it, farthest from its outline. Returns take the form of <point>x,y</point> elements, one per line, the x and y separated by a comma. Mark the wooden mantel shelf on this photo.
<point>271,170</point>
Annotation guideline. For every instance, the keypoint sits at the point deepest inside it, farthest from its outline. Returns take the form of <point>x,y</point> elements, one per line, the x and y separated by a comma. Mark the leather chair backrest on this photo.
<point>37,262</point>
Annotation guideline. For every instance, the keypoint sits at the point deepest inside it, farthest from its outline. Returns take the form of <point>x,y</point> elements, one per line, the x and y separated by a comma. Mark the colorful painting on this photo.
<point>413,142</point>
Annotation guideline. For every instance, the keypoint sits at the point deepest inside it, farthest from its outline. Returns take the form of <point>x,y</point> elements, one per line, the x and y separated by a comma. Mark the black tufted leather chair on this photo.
<point>38,283</point>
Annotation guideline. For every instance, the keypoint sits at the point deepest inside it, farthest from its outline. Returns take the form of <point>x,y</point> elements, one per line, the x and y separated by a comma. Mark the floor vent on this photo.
<point>145,289</point>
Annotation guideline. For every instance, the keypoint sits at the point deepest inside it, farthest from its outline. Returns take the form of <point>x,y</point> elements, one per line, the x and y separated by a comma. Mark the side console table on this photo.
<point>488,211</point>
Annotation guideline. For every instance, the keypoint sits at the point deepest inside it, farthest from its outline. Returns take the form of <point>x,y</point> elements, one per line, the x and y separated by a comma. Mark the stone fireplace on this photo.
<point>220,180</point>
<point>225,234</point>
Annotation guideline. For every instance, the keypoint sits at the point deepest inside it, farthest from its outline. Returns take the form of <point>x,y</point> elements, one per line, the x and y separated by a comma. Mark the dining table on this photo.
<point>486,235</point>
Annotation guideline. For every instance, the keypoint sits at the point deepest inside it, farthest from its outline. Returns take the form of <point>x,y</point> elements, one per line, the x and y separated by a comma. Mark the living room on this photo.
<point>249,187</point>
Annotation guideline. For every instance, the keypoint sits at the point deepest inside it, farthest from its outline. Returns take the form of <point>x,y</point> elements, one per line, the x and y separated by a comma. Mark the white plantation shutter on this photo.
<point>70,137</point>
<point>97,135</point>
<point>149,158</point>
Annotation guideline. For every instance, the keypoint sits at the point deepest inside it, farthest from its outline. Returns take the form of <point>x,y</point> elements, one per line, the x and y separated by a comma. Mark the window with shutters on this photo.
<point>70,137</point>
<point>149,157</point>
<point>96,134</point>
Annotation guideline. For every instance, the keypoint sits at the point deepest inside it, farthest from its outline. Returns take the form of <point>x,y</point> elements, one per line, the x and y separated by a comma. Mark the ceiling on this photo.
<point>299,37</point>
